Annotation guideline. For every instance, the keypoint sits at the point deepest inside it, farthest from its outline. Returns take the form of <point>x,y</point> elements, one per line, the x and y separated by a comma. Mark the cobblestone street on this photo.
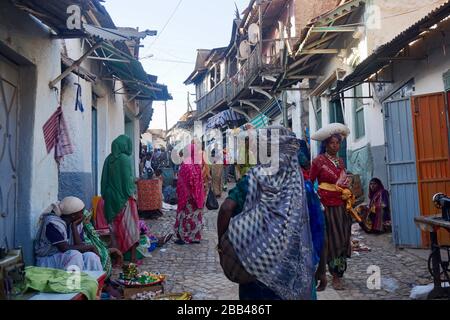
<point>195,268</point>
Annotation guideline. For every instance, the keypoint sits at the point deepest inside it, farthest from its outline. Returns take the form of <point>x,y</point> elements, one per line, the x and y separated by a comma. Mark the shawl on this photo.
<point>93,238</point>
<point>272,235</point>
<point>117,183</point>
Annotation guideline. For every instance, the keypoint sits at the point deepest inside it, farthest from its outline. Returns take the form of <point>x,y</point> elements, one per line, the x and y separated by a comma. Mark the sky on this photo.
<point>186,25</point>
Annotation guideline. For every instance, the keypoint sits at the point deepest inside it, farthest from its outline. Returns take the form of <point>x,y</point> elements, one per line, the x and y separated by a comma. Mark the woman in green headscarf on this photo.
<point>118,189</point>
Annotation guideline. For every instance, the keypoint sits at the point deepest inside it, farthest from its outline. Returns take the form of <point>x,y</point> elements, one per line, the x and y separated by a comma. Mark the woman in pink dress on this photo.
<point>191,197</point>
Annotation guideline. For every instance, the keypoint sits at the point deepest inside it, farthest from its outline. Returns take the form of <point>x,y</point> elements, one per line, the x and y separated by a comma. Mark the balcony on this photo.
<point>249,74</point>
<point>216,96</point>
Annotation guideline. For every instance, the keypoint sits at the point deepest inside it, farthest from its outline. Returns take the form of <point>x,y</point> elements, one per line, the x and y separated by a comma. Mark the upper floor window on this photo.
<point>319,112</point>
<point>358,106</point>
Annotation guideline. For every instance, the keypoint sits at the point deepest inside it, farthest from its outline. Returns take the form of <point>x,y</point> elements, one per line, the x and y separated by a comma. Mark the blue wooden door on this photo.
<point>9,113</point>
<point>402,174</point>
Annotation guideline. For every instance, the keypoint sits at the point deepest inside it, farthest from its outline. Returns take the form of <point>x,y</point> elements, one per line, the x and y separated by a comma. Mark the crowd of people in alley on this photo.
<point>278,231</point>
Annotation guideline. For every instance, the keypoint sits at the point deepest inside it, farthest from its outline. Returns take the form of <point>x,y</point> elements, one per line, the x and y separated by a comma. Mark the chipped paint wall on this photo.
<point>26,42</point>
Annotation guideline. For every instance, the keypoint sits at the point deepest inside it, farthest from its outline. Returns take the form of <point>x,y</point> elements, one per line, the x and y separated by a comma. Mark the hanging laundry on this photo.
<point>78,102</point>
<point>56,135</point>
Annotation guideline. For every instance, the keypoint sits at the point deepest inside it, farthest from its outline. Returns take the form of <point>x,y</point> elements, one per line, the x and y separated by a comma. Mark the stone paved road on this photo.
<point>400,271</point>
<point>195,268</point>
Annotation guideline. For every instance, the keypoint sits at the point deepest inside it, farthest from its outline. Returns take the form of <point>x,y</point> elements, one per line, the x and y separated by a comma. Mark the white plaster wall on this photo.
<point>373,122</point>
<point>396,16</point>
<point>79,125</point>
<point>31,40</point>
<point>295,111</point>
<point>116,118</point>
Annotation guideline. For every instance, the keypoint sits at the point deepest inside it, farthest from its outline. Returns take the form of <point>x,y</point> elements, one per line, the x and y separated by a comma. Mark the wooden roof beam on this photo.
<point>321,41</point>
<point>344,28</point>
<point>319,51</point>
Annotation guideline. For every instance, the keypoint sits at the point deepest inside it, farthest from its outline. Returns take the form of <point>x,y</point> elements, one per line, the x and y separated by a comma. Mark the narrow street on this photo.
<point>196,269</point>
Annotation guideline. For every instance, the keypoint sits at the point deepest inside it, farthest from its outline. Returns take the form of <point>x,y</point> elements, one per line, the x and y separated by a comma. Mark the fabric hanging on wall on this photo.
<point>56,135</point>
<point>78,101</point>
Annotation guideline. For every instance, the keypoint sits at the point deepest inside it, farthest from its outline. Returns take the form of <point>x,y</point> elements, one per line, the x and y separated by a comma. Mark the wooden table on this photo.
<point>432,224</point>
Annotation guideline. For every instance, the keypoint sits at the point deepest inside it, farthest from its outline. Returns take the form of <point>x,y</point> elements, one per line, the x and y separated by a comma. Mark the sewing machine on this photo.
<point>441,201</point>
<point>12,273</point>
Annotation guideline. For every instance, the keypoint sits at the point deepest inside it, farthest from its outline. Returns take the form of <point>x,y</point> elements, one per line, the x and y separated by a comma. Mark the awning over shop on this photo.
<point>116,34</point>
<point>222,118</point>
<point>319,39</point>
<point>127,69</point>
<point>386,53</point>
<point>98,29</point>
<point>260,121</point>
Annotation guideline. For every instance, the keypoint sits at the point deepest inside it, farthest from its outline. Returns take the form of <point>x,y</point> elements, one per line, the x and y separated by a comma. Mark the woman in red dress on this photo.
<point>329,170</point>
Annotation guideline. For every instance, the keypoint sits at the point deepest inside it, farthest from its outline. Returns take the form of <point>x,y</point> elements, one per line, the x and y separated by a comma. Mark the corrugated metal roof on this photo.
<point>115,34</point>
<point>372,64</point>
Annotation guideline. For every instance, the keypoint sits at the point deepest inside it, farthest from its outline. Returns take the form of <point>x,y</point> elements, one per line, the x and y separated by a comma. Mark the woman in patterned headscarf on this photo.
<point>270,231</point>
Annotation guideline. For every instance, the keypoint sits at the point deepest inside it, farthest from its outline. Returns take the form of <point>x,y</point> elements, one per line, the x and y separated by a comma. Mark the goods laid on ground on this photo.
<point>140,283</point>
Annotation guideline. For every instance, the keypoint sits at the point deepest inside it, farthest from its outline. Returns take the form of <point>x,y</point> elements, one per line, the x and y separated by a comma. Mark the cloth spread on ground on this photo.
<point>117,183</point>
<point>56,135</point>
<point>59,281</point>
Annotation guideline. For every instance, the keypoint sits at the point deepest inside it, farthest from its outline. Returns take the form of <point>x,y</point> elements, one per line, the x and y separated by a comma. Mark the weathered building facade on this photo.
<point>44,65</point>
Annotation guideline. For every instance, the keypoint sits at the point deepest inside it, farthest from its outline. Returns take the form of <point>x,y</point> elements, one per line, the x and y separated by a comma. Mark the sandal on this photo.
<point>165,239</point>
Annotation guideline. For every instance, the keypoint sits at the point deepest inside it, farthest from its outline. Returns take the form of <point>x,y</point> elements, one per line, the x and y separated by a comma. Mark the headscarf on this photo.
<point>117,183</point>
<point>52,214</point>
<point>380,187</point>
<point>272,236</point>
<point>68,206</point>
<point>323,145</point>
<point>190,179</point>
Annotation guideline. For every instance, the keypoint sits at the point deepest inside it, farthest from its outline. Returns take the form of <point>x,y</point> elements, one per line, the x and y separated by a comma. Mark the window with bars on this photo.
<point>358,106</point>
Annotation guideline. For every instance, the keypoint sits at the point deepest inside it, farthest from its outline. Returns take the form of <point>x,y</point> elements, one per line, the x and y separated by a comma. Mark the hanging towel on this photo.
<point>78,102</point>
<point>56,135</point>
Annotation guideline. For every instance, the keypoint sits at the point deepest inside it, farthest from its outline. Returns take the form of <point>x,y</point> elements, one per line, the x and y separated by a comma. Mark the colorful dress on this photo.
<point>191,200</point>
<point>377,216</point>
<point>118,189</point>
<point>337,247</point>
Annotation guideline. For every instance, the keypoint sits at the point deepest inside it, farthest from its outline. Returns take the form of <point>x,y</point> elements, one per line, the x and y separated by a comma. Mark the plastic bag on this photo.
<point>211,201</point>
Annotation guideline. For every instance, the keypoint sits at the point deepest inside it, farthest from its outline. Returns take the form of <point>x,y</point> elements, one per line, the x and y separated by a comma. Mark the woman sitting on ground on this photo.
<point>60,240</point>
<point>377,215</point>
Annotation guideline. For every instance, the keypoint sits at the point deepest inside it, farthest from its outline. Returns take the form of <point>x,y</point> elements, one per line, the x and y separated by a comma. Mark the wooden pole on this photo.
<point>74,65</point>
